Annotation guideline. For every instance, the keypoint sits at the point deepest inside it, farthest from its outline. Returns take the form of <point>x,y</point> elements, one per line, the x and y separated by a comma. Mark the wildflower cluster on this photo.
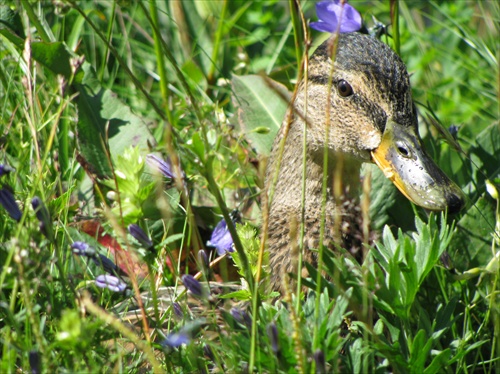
<point>112,280</point>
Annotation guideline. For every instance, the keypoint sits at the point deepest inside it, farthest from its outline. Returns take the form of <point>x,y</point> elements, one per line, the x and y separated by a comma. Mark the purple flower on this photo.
<point>242,317</point>
<point>35,362</point>
<point>329,14</point>
<point>108,265</point>
<point>176,339</point>
<point>9,203</point>
<point>140,235</point>
<point>319,357</point>
<point>272,331</point>
<point>163,166</point>
<point>178,309</point>
<point>453,130</point>
<point>83,249</point>
<point>5,169</point>
<point>110,282</point>
<point>193,285</point>
<point>221,239</point>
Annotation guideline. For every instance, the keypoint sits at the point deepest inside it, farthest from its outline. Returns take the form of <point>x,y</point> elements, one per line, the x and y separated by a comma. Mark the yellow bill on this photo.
<point>402,159</point>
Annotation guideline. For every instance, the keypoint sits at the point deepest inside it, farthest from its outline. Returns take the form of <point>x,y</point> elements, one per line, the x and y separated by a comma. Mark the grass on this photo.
<point>82,82</point>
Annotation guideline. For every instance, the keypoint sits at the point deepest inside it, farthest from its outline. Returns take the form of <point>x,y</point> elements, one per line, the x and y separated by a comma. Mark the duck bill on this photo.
<point>403,160</point>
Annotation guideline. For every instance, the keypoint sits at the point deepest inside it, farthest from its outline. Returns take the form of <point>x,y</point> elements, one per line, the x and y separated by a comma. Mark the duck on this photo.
<point>353,106</point>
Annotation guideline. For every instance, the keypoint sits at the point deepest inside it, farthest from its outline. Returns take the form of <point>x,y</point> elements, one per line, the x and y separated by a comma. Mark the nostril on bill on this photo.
<point>455,203</point>
<point>403,151</point>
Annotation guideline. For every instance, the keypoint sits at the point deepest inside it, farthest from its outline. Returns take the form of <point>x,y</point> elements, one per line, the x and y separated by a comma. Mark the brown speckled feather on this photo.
<point>381,89</point>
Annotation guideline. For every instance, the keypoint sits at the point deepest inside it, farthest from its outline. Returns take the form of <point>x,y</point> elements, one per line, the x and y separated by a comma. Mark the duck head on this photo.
<point>371,117</point>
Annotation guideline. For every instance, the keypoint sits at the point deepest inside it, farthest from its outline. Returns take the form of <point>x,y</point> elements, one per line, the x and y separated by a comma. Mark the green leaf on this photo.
<point>195,27</point>
<point>10,19</point>
<point>419,351</point>
<point>69,328</point>
<point>472,239</point>
<point>54,56</point>
<point>387,205</point>
<point>171,239</point>
<point>261,103</point>
<point>439,362</point>
<point>238,295</point>
<point>485,155</point>
<point>443,318</point>
<point>197,146</point>
<point>106,125</point>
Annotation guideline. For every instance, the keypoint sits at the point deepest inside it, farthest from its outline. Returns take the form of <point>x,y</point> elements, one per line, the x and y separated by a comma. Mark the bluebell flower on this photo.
<point>272,331</point>
<point>177,309</point>
<point>329,14</point>
<point>9,203</point>
<point>83,249</point>
<point>35,362</point>
<point>193,285</point>
<point>165,167</point>
<point>221,239</point>
<point>5,169</point>
<point>242,317</point>
<point>319,358</point>
<point>108,265</point>
<point>453,129</point>
<point>110,282</point>
<point>176,339</point>
<point>139,235</point>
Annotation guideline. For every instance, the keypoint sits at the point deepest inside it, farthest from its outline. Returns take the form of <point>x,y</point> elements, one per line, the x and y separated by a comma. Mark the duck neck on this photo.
<point>343,178</point>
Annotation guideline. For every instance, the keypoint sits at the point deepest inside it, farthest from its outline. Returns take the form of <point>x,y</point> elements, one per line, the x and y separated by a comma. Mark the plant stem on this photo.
<point>395,24</point>
<point>218,36</point>
<point>159,60</point>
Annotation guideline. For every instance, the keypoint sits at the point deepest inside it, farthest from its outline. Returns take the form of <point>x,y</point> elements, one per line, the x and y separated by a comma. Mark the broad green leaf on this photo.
<point>443,318</point>
<point>237,295</point>
<point>10,19</point>
<point>486,154</point>
<point>54,56</point>
<point>106,125</point>
<point>419,351</point>
<point>439,362</point>
<point>171,239</point>
<point>260,102</point>
<point>471,243</point>
<point>198,17</point>
<point>388,206</point>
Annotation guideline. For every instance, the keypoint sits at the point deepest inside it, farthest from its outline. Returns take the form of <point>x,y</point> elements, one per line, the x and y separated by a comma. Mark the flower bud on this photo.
<point>193,285</point>
<point>139,235</point>
<point>110,282</point>
<point>319,358</point>
<point>5,169</point>
<point>272,332</point>
<point>242,317</point>
<point>9,203</point>
<point>176,339</point>
<point>83,249</point>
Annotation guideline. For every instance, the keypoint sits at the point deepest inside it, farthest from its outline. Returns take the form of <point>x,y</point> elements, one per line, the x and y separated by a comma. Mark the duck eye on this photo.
<point>344,88</point>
